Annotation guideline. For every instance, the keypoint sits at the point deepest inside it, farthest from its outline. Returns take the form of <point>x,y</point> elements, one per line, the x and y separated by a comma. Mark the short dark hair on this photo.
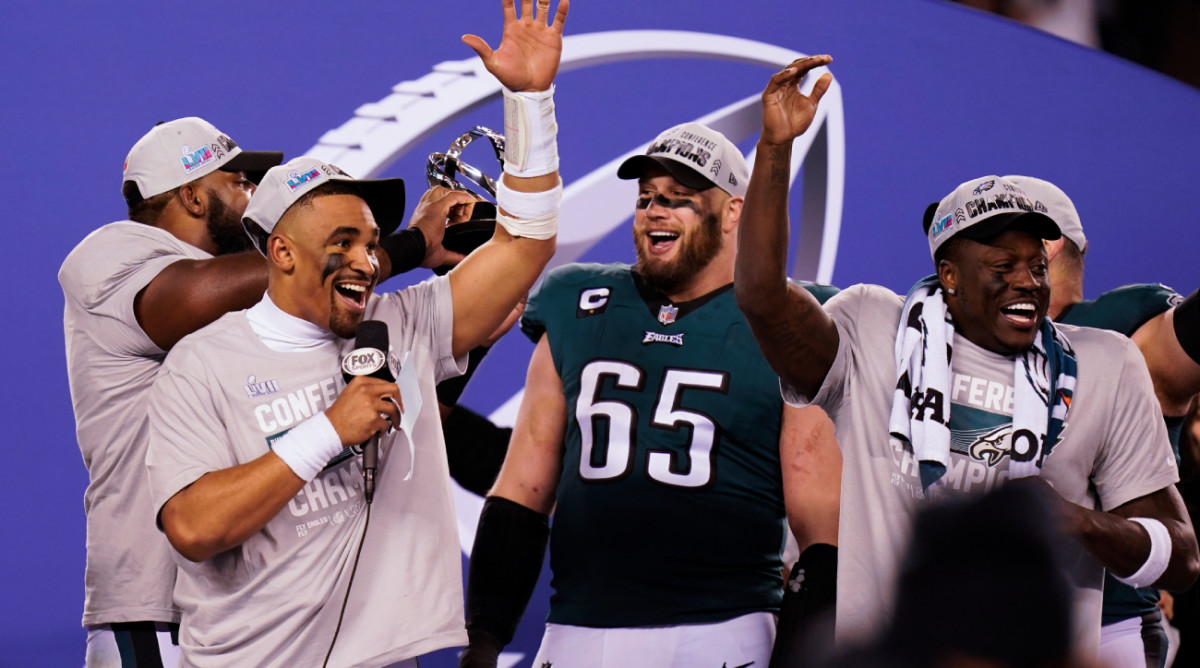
<point>1072,254</point>
<point>145,210</point>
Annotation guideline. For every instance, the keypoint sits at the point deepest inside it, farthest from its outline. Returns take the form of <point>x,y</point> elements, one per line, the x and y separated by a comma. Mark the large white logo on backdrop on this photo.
<point>381,132</point>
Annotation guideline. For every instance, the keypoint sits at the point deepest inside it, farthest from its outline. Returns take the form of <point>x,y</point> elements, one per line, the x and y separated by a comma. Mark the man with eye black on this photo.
<point>133,289</point>
<point>652,428</point>
<point>285,557</point>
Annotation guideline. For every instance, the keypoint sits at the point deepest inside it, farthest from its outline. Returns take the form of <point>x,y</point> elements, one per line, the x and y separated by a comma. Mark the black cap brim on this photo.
<point>1031,222</point>
<point>385,198</point>
<point>254,163</point>
<point>635,167</point>
<point>927,220</point>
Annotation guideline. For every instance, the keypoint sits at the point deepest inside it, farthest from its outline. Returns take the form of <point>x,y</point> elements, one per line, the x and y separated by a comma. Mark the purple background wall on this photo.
<point>933,95</point>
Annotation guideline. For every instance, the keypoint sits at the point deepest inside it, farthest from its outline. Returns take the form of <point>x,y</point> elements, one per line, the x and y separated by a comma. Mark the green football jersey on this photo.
<point>1125,310</point>
<point>670,504</point>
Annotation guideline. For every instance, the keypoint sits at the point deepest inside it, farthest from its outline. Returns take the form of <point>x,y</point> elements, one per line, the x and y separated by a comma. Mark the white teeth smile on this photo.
<point>353,293</point>
<point>661,240</point>
<point>1022,313</point>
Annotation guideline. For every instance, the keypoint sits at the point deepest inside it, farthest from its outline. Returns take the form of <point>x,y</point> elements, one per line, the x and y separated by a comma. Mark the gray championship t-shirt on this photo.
<point>1113,449</point>
<point>222,399</point>
<point>111,364</point>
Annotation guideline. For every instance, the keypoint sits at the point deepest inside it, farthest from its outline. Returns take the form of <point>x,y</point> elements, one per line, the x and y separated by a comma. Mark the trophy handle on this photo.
<point>442,167</point>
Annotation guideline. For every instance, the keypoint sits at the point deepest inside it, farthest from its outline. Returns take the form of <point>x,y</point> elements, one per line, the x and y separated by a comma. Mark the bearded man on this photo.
<point>655,426</point>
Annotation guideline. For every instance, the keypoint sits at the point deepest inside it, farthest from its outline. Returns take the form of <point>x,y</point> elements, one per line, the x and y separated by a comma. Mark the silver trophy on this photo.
<point>445,169</point>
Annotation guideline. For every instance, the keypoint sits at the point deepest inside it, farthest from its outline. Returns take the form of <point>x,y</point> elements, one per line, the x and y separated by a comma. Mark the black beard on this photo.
<point>225,228</point>
<point>695,255</point>
<point>345,326</point>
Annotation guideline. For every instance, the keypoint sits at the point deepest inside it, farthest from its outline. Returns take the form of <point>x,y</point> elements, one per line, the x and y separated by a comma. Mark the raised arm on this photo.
<point>487,284</point>
<point>1165,342</point>
<point>795,334</point>
<point>510,542</point>
<point>189,294</point>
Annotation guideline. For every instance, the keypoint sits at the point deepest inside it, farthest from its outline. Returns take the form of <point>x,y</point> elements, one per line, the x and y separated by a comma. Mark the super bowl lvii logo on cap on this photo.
<point>295,179</point>
<point>193,160</point>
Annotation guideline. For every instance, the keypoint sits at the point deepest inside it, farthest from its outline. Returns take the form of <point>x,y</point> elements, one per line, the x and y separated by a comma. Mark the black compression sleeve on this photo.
<point>1187,326</point>
<point>806,612</point>
<point>406,249</point>
<point>475,449</point>
<point>510,544</point>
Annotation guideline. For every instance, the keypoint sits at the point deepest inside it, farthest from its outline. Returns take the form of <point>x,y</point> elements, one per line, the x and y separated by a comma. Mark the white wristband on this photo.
<point>530,215</point>
<point>537,228</point>
<point>528,205</point>
<point>530,133</point>
<point>1160,554</point>
<point>309,446</point>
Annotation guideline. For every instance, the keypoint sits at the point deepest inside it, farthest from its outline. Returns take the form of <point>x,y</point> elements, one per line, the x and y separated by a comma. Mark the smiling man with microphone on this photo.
<point>254,457</point>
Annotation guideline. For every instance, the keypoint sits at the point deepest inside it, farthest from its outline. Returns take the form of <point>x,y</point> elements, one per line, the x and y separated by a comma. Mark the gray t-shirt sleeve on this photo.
<point>423,314</point>
<point>105,273</point>
<point>879,309</point>
<point>1136,457</point>
<point>187,438</point>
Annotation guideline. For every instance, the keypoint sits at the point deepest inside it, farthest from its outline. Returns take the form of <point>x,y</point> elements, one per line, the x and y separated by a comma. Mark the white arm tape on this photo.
<point>1160,554</point>
<point>530,133</point>
<point>309,446</point>
<point>530,215</point>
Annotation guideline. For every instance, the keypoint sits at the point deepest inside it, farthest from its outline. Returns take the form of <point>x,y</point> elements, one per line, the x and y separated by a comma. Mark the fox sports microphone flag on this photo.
<point>371,357</point>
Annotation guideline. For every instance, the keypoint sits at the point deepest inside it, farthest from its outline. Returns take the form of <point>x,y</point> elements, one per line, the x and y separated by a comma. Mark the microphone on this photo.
<point>369,358</point>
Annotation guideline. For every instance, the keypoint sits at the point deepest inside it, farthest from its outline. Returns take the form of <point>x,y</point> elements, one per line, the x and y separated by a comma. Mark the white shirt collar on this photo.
<point>285,332</point>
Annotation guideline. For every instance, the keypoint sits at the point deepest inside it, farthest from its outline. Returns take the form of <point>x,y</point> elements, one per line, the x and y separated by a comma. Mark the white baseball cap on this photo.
<point>982,208</point>
<point>697,156</point>
<point>1059,206</point>
<point>186,149</point>
<point>286,183</point>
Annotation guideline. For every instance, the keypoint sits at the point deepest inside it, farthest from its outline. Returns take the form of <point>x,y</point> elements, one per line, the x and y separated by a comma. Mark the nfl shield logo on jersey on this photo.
<point>667,314</point>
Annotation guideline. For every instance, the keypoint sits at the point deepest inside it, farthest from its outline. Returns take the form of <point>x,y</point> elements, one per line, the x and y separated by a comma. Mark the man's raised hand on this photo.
<point>530,47</point>
<point>787,112</point>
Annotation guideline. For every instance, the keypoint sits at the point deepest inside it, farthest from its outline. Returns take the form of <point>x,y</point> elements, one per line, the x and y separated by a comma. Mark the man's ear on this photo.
<point>281,252</point>
<point>733,214</point>
<point>947,273</point>
<point>1053,248</point>
<point>193,199</point>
